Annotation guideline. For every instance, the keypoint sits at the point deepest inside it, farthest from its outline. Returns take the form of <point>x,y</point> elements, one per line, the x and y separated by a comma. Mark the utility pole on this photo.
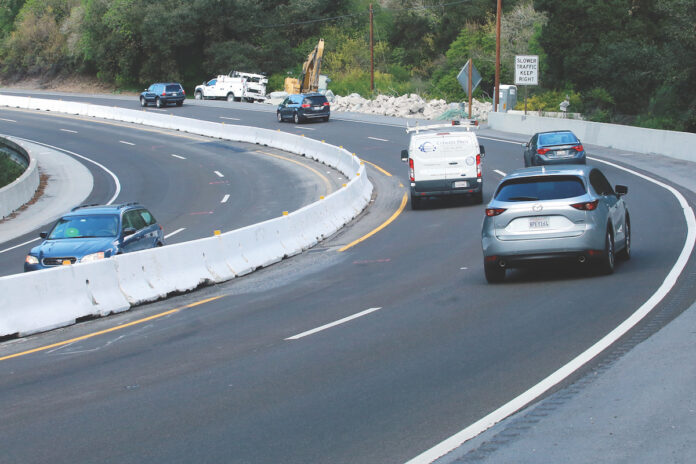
<point>372,56</point>
<point>497,54</point>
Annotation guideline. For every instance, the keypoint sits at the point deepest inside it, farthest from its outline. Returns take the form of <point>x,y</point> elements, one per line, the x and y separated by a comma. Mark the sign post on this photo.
<point>469,78</point>
<point>526,73</point>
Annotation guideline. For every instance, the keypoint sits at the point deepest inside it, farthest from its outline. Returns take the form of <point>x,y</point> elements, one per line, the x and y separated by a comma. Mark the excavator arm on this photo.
<point>309,80</point>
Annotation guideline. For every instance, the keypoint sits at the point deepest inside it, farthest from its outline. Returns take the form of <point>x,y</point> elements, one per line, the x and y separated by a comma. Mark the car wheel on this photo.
<point>606,264</point>
<point>199,96</point>
<point>179,103</point>
<point>158,103</point>
<point>143,102</point>
<point>230,97</point>
<point>494,273</point>
<point>296,118</point>
<point>326,119</point>
<point>625,254</point>
<point>280,118</point>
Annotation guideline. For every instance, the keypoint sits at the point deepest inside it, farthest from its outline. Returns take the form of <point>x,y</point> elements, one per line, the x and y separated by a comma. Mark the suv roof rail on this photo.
<point>84,206</point>
<point>468,123</point>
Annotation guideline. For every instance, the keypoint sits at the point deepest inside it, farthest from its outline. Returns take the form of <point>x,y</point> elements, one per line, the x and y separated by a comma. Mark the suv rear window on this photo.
<point>174,88</point>
<point>541,188</point>
<point>315,100</point>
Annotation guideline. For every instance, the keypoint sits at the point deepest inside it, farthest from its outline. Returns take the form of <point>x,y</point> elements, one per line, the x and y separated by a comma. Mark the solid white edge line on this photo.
<point>219,174</point>
<point>561,374</point>
<point>175,232</point>
<point>7,120</point>
<point>333,324</point>
<point>225,198</point>
<point>178,156</point>
<point>500,172</point>
<point>116,181</point>
<point>20,245</point>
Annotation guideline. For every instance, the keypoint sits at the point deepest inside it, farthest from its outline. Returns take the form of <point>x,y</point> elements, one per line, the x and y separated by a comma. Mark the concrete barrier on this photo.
<point>51,298</point>
<point>19,192</point>
<point>635,139</point>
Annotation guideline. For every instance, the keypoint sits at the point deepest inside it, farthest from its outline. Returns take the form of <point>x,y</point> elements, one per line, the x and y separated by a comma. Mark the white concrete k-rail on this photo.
<point>19,192</point>
<point>47,299</point>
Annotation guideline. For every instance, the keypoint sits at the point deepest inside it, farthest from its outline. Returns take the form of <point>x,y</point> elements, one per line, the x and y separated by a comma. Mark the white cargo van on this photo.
<point>444,159</point>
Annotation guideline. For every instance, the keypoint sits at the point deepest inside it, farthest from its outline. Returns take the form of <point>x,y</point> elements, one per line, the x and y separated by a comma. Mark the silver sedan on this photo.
<point>555,213</point>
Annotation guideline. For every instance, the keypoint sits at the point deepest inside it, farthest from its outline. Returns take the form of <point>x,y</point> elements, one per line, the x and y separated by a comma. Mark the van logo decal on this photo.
<point>427,147</point>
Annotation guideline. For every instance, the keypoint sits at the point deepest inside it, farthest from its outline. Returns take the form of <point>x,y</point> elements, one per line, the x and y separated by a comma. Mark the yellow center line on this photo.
<point>385,224</point>
<point>112,329</point>
<point>386,173</point>
<point>327,183</point>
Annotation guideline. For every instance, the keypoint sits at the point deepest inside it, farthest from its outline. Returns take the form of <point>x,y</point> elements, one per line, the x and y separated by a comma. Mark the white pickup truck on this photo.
<point>230,88</point>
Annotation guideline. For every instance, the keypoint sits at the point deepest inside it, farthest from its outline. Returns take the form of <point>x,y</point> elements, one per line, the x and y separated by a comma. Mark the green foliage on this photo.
<point>550,100</point>
<point>9,170</point>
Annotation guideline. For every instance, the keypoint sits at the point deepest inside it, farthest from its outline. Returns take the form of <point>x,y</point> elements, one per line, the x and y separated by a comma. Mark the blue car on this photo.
<point>163,94</point>
<point>93,232</point>
<point>555,147</point>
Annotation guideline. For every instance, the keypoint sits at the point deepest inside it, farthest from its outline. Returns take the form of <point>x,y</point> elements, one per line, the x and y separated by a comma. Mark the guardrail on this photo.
<point>635,139</point>
<point>44,300</point>
<point>19,192</point>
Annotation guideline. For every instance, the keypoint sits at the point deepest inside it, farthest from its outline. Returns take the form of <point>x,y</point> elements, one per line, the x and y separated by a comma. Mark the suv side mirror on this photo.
<point>128,231</point>
<point>404,155</point>
<point>482,151</point>
<point>621,190</point>
<point>43,234</point>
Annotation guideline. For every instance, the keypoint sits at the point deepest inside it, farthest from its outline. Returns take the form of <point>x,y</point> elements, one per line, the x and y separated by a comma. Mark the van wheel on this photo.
<point>478,197</point>
<point>494,273</point>
<point>415,202</point>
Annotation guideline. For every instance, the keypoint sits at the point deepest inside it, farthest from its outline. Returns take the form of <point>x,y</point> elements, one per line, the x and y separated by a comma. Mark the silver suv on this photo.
<point>557,213</point>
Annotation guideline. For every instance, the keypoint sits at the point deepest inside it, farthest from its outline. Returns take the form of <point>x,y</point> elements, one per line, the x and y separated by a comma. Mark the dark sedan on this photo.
<point>556,147</point>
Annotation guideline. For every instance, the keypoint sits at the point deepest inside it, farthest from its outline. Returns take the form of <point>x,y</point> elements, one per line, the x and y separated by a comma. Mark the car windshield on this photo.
<point>85,227</point>
<point>173,88</point>
<point>557,138</point>
<point>541,188</point>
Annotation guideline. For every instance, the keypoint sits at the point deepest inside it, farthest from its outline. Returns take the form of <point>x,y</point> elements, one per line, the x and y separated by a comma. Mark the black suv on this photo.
<point>163,94</point>
<point>93,232</point>
<point>304,106</point>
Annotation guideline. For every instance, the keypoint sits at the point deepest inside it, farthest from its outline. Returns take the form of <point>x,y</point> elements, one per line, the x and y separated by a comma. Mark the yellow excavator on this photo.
<point>309,81</point>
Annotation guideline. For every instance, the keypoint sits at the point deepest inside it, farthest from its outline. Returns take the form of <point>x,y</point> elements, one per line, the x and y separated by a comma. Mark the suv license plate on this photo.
<point>540,222</point>
<point>461,184</point>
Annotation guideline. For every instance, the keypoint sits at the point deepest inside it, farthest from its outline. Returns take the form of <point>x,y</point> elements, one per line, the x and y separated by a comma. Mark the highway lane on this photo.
<point>221,382</point>
<point>194,185</point>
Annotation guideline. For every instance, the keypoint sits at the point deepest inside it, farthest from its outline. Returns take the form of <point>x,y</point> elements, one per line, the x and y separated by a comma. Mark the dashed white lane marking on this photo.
<point>225,198</point>
<point>178,156</point>
<point>583,358</point>
<point>377,138</point>
<point>70,131</point>
<point>126,143</point>
<point>499,172</point>
<point>7,120</point>
<point>304,128</point>
<point>20,245</point>
<point>175,232</point>
<point>219,174</point>
<point>230,119</point>
<point>333,324</point>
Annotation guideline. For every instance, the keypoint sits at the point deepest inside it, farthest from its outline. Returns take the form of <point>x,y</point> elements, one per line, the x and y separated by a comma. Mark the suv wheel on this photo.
<point>280,118</point>
<point>626,252</point>
<point>143,102</point>
<point>296,118</point>
<point>179,103</point>
<point>494,273</point>
<point>606,264</point>
<point>158,103</point>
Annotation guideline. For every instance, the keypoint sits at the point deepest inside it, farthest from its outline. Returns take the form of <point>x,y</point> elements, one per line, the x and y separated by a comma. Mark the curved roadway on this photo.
<point>249,377</point>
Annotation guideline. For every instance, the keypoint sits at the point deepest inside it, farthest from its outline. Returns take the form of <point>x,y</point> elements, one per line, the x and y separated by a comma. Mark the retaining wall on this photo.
<point>47,299</point>
<point>19,192</point>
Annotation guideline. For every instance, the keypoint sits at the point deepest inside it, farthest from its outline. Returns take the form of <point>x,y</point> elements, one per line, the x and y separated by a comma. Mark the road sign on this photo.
<point>527,70</point>
<point>463,77</point>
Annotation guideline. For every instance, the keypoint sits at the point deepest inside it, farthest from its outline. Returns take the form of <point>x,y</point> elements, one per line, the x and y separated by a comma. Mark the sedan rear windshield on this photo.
<point>557,138</point>
<point>174,88</point>
<point>541,188</point>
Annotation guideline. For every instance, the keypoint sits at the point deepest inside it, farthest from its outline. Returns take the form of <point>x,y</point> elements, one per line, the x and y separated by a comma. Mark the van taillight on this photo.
<point>478,165</point>
<point>587,206</point>
<point>410,170</point>
<point>490,212</point>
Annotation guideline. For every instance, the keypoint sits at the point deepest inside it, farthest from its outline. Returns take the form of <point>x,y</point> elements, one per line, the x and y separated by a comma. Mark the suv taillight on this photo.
<point>587,206</point>
<point>490,212</point>
<point>164,94</point>
<point>327,104</point>
<point>305,105</point>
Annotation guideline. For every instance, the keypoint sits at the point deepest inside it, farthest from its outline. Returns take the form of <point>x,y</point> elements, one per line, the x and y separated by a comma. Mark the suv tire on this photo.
<point>608,260</point>
<point>296,118</point>
<point>494,273</point>
<point>158,103</point>
<point>278,115</point>
<point>143,102</point>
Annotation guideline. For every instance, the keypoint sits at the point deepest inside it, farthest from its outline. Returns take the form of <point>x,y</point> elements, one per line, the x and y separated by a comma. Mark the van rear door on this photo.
<point>459,152</point>
<point>428,163</point>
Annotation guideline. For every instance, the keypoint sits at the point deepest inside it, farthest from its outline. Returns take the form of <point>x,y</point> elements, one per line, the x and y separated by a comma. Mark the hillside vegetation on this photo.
<point>627,61</point>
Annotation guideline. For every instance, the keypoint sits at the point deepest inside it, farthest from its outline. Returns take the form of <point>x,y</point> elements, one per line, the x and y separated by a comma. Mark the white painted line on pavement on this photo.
<point>502,140</point>
<point>561,374</point>
<point>178,156</point>
<point>225,198</point>
<point>218,173</point>
<point>20,245</point>
<point>305,128</point>
<point>500,172</point>
<point>333,324</point>
<point>126,143</point>
<point>70,131</point>
<point>231,119</point>
<point>175,232</point>
<point>7,120</point>
<point>377,138</point>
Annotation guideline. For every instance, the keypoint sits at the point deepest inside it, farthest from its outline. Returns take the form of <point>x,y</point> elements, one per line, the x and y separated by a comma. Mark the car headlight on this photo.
<point>31,259</point>
<point>92,257</point>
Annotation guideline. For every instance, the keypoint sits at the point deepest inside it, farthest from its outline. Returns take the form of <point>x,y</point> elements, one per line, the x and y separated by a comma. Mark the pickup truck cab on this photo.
<point>444,160</point>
